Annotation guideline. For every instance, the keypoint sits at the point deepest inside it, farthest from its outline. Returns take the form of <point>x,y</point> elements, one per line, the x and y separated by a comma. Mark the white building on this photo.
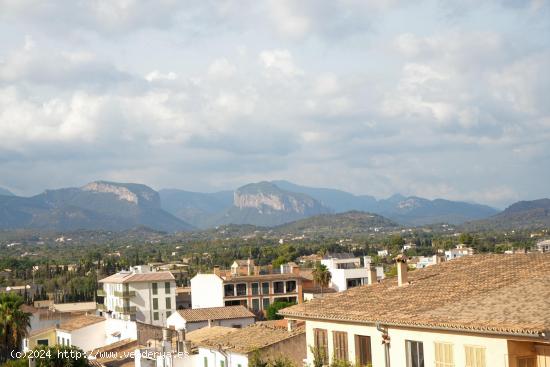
<point>347,272</point>
<point>86,332</point>
<point>420,262</point>
<point>459,251</point>
<point>193,319</point>
<point>476,311</point>
<point>256,292</point>
<point>219,346</point>
<point>543,246</point>
<point>140,295</point>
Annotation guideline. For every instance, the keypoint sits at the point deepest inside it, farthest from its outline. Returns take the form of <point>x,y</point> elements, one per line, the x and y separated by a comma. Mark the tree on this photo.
<point>14,323</point>
<point>321,276</point>
<point>273,309</point>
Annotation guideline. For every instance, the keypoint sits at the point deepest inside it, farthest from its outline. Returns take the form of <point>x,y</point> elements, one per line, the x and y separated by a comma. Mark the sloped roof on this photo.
<point>124,277</point>
<point>507,293</point>
<point>248,339</point>
<point>79,322</point>
<point>215,313</point>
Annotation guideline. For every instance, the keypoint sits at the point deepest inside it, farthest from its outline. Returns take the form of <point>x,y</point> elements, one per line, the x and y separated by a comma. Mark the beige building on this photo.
<point>475,311</point>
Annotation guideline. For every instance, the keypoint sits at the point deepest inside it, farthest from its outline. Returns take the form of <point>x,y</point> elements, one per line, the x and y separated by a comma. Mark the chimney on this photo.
<point>217,270</point>
<point>256,269</point>
<point>270,269</point>
<point>291,325</point>
<point>401,262</point>
<point>373,278</point>
<point>296,270</point>
<point>367,261</point>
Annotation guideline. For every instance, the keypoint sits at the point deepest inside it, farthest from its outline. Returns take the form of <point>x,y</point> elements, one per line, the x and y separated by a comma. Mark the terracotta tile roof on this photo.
<point>250,338</point>
<point>74,307</point>
<point>485,293</point>
<point>41,331</point>
<point>200,335</point>
<point>80,322</point>
<point>215,313</point>
<point>140,277</point>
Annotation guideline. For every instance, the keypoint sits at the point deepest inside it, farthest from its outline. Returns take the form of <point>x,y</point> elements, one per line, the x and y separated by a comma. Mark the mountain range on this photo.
<point>520,215</point>
<point>120,206</point>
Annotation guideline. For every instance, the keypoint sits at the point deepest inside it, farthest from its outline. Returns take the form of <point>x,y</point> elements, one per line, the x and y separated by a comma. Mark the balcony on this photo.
<point>128,310</point>
<point>101,307</point>
<point>124,294</point>
<point>101,293</point>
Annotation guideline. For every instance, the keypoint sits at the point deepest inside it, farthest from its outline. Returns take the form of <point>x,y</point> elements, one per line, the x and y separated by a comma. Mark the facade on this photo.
<point>543,246</point>
<point>139,295</point>
<point>193,319</point>
<point>476,311</point>
<point>86,332</point>
<point>347,272</point>
<point>420,262</point>
<point>242,267</point>
<point>459,251</point>
<point>256,292</point>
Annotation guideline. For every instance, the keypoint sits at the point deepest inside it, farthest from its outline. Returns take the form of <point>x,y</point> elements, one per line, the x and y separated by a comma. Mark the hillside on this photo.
<point>265,204</point>
<point>520,215</point>
<point>348,223</point>
<point>5,192</point>
<point>98,205</point>
<point>195,208</point>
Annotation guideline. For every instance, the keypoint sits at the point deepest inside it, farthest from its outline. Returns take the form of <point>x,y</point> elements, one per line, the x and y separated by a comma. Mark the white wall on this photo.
<point>214,357</point>
<point>127,330</point>
<point>86,338</point>
<point>496,348</point>
<point>179,323</point>
<point>206,291</point>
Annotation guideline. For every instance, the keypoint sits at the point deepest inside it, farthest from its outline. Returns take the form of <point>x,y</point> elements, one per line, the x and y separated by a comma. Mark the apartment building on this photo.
<point>459,251</point>
<point>347,272</point>
<point>139,295</point>
<point>475,311</point>
<point>256,292</point>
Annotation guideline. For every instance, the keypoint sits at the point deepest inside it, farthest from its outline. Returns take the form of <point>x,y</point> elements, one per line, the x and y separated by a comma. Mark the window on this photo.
<point>444,355</point>
<point>168,303</point>
<point>205,362</point>
<point>265,303</point>
<point>58,340</point>
<point>265,288</point>
<point>475,356</point>
<point>340,344</point>
<point>353,282</point>
<point>155,303</point>
<point>229,290</point>
<point>222,363</point>
<point>255,304</point>
<point>241,289</point>
<point>291,286</point>
<point>363,355</point>
<point>167,287</point>
<point>278,287</point>
<point>42,342</point>
<point>255,289</point>
<point>527,362</point>
<point>155,288</point>
<point>415,353</point>
<point>155,316</point>
<point>168,313</point>
<point>321,343</point>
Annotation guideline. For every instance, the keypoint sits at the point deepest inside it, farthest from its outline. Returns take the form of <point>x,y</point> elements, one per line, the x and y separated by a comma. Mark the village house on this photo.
<point>346,271</point>
<point>543,246</point>
<point>86,332</point>
<point>192,319</point>
<point>256,292</point>
<point>139,295</point>
<point>219,346</point>
<point>476,311</point>
<point>459,251</point>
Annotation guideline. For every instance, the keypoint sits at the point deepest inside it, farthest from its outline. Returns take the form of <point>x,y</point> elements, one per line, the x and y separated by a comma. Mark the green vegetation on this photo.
<point>13,324</point>
<point>321,276</point>
<point>272,311</point>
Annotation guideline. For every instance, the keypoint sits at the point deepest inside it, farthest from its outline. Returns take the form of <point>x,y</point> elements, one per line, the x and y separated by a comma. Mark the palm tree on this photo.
<point>321,276</point>
<point>14,323</point>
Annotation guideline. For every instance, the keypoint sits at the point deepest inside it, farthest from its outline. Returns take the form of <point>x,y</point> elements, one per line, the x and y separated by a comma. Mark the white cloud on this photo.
<point>221,69</point>
<point>279,62</point>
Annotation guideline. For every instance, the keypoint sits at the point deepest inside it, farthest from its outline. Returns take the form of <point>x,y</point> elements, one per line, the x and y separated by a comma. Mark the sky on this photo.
<point>441,98</point>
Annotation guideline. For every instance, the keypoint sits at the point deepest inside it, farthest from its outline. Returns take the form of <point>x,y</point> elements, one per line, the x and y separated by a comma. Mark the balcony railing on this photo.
<point>126,310</point>
<point>101,293</point>
<point>101,307</point>
<point>124,294</point>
